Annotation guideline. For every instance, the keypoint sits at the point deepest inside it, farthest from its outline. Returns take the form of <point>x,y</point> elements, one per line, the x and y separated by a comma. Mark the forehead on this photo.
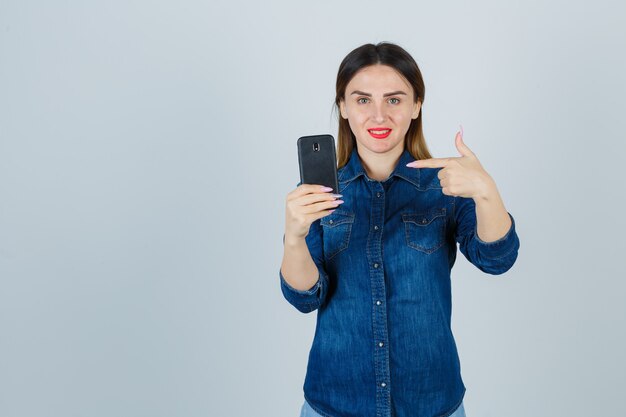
<point>378,78</point>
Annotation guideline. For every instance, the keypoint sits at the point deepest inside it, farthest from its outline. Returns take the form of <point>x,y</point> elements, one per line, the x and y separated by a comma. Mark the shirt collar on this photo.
<point>353,169</point>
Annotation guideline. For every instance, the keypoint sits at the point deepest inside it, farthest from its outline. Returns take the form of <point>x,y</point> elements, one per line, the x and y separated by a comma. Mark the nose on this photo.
<point>378,113</point>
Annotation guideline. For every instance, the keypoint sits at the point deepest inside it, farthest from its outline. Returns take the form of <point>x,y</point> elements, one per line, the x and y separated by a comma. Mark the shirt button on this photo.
<point>375,227</point>
<point>375,265</point>
<point>378,302</point>
<point>381,344</point>
<point>378,195</point>
<point>383,385</point>
<point>330,221</point>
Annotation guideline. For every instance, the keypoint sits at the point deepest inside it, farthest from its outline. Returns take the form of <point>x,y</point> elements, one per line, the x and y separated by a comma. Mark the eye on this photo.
<point>361,98</point>
<point>397,100</point>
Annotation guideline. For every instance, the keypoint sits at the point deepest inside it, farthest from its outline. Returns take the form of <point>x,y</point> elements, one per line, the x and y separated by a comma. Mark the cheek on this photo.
<point>356,118</point>
<point>402,121</point>
<point>402,117</point>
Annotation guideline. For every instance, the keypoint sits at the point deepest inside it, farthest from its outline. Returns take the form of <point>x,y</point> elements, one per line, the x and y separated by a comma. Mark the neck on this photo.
<point>379,166</point>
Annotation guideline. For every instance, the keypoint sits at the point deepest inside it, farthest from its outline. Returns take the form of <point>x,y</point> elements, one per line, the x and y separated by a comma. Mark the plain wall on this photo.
<point>147,148</point>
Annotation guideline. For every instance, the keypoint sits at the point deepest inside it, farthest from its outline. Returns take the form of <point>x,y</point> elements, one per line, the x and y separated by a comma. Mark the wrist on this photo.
<point>294,241</point>
<point>488,192</point>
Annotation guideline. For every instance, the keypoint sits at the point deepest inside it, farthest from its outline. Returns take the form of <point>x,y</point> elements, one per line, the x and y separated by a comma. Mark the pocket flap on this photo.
<point>336,218</point>
<point>423,219</point>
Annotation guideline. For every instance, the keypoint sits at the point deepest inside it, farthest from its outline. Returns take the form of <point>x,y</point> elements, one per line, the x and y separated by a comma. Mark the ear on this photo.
<point>342,109</point>
<point>416,110</point>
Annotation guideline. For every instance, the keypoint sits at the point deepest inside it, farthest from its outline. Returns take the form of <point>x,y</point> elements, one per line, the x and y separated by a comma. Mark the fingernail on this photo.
<point>461,130</point>
<point>337,195</point>
<point>326,188</point>
<point>338,201</point>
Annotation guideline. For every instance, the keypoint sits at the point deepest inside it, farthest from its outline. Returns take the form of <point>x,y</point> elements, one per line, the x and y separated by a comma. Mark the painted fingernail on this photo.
<point>461,130</point>
<point>326,189</point>
<point>337,195</point>
<point>338,201</point>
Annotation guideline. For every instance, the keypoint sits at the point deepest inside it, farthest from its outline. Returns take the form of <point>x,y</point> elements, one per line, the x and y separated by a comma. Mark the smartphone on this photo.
<point>318,161</point>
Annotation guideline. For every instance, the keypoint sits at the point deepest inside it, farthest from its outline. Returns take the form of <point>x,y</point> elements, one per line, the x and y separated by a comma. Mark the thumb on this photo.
<point>463,149</point>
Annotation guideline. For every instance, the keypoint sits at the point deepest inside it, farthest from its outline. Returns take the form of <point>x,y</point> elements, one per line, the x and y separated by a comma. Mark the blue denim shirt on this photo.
<point>383,343</point>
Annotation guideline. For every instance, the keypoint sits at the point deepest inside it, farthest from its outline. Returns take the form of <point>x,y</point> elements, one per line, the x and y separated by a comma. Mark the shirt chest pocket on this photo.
<point>337,228</point>
<point>425,231</point>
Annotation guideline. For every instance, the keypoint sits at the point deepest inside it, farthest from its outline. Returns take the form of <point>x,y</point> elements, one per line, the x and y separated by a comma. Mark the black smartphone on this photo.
<point>318,161</point>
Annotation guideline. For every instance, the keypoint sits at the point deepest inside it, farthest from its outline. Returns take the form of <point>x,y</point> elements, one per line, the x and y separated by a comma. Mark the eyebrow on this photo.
<point>393,93</point>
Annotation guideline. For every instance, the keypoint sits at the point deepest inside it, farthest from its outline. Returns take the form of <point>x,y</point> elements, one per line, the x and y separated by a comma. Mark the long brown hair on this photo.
<point>385,53</point>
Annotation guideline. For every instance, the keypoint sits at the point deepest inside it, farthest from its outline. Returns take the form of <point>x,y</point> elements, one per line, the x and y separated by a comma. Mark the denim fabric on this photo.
<point>383,343</point>
<point>307,411</point>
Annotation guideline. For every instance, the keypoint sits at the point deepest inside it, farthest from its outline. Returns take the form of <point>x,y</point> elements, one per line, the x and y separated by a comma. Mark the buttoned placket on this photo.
<point>379,305</point>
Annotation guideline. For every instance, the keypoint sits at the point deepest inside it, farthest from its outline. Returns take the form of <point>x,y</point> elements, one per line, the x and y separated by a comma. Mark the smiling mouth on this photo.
<point>379,133</point>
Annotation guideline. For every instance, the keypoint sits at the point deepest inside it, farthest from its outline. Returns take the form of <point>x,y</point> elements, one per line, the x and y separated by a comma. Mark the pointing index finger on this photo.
<point>429,163</point>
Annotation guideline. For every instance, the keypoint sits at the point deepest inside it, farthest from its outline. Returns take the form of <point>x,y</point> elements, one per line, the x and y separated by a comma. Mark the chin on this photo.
<point>378,145</point>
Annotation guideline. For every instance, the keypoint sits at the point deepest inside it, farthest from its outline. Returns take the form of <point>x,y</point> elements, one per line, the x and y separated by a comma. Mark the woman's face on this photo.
<point>378,104</point>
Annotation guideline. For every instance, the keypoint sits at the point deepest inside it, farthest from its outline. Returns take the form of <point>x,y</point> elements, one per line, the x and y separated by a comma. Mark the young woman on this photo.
<point>375,259</point>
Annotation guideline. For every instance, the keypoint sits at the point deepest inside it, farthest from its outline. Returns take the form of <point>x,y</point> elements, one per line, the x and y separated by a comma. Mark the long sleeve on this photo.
<point>495,257</point>
<point>311,299</point>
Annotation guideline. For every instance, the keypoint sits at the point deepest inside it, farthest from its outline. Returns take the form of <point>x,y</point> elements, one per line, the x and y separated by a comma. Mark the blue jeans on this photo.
<point>307,411</point>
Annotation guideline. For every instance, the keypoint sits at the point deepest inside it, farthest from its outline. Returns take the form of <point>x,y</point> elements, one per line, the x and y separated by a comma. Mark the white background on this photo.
<point>146,150</point>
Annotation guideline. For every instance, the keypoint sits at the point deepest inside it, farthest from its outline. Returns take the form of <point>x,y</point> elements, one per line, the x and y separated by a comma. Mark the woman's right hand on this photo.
<point>305,204</point>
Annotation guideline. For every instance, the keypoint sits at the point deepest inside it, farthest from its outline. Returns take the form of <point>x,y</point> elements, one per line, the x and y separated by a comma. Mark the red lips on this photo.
<point>382,132</point>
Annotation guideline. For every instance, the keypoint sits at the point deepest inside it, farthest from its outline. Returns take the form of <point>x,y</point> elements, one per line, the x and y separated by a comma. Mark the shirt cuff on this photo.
<point>312,290</point>
<point>305,301</point>
<point>501,247</point>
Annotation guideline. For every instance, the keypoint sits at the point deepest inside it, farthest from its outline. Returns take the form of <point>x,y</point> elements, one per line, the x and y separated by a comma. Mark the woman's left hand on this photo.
<point>462,176</point>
